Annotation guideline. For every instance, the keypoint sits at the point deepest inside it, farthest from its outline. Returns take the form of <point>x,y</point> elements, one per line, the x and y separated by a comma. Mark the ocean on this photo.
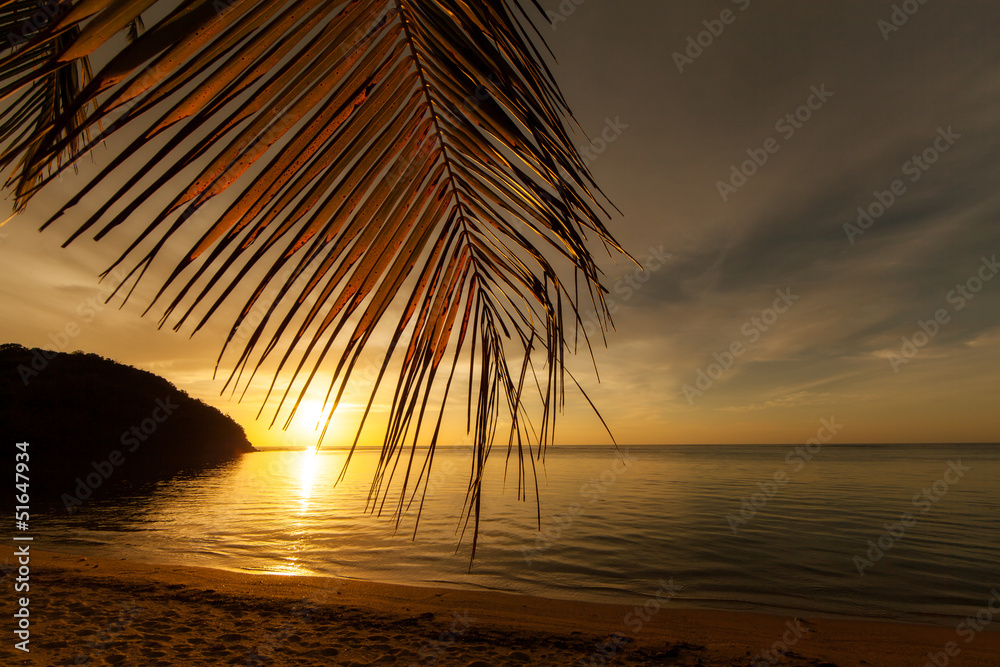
<point>903,532</point>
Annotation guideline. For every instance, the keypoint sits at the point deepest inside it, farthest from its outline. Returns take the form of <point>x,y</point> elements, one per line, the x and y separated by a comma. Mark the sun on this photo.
<point>310,418</point>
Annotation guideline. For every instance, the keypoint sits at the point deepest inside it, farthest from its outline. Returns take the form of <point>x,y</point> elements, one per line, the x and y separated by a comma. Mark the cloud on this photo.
<point>784,228</point>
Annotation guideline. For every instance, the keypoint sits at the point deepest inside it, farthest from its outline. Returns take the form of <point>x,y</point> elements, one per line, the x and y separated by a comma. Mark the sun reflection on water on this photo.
<point>308,463</point>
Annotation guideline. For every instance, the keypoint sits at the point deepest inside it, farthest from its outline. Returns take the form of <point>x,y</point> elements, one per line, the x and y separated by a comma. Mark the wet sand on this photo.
<point>98,611</point>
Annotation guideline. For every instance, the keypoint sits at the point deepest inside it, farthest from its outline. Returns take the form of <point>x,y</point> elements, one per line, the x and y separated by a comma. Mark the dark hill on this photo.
<point>92,420</point>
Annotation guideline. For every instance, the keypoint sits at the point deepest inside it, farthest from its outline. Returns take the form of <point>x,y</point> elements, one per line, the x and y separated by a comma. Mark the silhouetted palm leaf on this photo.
<point>48,95</point>
<point>398,161</point>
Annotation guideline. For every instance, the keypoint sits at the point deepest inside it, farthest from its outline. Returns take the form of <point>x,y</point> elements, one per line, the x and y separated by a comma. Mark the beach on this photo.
<point>101,611</point>
<point>528,333</point>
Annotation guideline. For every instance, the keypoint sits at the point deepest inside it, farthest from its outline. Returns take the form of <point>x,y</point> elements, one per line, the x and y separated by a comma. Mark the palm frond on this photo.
<point>396,162</point>
<point>48,104</point>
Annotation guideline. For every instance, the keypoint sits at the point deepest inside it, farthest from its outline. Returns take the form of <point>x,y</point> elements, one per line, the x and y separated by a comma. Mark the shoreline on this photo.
<point>734,606</point>
<point>100,611</point>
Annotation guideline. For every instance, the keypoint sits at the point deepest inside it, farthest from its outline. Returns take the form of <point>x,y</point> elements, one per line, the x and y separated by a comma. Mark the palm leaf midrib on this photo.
<point>495,185</point>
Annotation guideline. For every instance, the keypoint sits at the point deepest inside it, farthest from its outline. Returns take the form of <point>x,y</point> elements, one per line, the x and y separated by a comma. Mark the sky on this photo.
<point>739,139</point>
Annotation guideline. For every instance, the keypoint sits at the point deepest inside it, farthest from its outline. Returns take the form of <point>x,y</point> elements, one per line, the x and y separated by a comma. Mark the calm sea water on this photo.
<point>612,528</point>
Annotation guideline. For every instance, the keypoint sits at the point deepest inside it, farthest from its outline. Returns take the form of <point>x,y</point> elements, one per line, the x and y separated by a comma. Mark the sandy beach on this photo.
<point>97,611</point>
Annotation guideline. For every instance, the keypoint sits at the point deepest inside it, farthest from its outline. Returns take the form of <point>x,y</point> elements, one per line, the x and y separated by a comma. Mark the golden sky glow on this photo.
<point>706,350</point>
